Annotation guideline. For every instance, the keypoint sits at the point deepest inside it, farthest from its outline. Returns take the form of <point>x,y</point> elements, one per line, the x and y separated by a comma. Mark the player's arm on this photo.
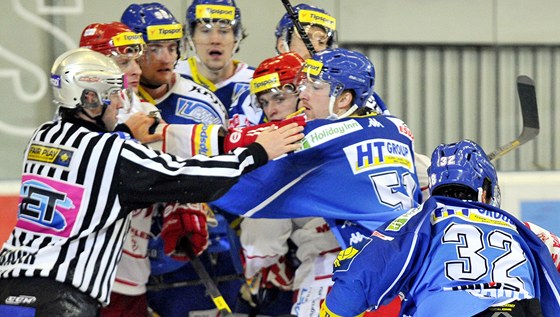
<point>146,176</point>
<point>346,299</point>
<point>551,241</point>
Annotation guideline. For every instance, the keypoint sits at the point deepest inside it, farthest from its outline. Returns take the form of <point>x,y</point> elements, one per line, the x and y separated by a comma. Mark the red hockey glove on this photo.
<point>184,227</point>
<point>244,136</point>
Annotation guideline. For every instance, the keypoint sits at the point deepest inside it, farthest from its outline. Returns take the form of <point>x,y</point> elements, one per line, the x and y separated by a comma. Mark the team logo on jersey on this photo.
<point>344,255</point>
<point>198,111</point>
<point>50,154</point>
<point>48,206</point>
<point>329,132</point>
<point>238,89</point>
<point>374,153</point>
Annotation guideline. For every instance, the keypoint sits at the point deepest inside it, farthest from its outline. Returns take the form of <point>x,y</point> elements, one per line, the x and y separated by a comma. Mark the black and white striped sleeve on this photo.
<point>146,176</point>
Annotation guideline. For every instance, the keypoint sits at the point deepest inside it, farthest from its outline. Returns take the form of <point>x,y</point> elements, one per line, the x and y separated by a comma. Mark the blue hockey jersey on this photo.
<point>449,258</point>
<point>360,169</point>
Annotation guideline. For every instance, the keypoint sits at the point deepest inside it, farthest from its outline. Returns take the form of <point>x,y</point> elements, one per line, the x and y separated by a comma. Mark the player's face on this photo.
<point>314,98</point>
<point>277,105</point>
<point>318,38</point>
<point>158,63</point>
<point>91,97</point>
<point>214,44</point>
<point>110,114</point>
<point>132,70</point>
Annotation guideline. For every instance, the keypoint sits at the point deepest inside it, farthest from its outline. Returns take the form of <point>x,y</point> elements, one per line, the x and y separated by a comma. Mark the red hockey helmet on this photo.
<point>112,39</point>
<point>277,72</point>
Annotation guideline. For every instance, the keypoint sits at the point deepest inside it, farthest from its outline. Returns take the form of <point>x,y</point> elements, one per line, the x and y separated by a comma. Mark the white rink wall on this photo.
<point>532,196</point>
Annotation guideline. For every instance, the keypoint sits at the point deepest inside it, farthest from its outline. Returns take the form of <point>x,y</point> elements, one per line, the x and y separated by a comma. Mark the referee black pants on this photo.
<point>44,297</point>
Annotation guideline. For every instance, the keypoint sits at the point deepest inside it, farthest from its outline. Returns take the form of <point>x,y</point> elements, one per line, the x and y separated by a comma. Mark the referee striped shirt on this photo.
<point>78,188</point>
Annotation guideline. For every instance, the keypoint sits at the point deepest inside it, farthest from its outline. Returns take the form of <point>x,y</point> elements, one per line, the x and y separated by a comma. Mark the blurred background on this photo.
<point>446,67</point>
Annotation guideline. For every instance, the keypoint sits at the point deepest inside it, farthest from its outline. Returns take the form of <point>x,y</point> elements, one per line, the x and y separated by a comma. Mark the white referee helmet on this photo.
<point>85,78</point>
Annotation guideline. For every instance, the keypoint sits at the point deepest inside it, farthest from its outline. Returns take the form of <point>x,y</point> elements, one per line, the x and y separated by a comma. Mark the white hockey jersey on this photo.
<point>232,92</point>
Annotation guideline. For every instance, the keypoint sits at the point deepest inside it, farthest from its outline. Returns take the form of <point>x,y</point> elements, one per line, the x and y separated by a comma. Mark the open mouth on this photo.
<point>215,53</point>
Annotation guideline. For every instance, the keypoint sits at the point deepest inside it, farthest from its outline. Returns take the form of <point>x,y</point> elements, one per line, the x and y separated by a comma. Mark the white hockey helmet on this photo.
<point>85,78</point>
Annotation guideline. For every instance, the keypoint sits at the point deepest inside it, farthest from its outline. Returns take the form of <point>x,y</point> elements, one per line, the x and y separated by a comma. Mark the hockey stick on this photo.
<point>211,287</point>
<point>530,116</point>
<point>299,28</point>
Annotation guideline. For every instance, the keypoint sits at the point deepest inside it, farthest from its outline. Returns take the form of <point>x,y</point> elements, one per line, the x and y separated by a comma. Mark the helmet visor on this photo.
<point>133,51</point>
<point>318,36</point>
<point>313,76</point>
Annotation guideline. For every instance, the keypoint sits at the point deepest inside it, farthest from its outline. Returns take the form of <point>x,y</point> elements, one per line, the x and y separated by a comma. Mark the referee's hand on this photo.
<point>142,127</point>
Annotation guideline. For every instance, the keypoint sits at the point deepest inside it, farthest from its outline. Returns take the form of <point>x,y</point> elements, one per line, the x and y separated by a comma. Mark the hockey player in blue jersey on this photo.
<point>359,169</point>
<point>456,255</point>
<point>213,33</point>
<point>368,151</point>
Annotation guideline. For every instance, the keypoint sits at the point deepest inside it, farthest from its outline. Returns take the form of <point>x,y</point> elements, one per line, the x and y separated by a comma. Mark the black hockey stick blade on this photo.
<point>529,114</point>
<point>299,28</point>
<point>211,287</point>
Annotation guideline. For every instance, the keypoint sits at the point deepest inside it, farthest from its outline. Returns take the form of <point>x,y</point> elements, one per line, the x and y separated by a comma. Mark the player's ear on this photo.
<point>281,46</point>
<point>483,196</point>
<point>344,101</point>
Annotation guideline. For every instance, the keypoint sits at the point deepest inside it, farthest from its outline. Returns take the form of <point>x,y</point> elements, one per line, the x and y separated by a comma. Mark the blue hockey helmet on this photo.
<point>463,164</point>
<point>307,15</point>
<point>222,11</point>
<point>343,70</point>
<point>154,21</point>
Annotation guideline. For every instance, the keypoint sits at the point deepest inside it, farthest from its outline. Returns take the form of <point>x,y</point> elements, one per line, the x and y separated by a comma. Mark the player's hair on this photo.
<point>463,192</point>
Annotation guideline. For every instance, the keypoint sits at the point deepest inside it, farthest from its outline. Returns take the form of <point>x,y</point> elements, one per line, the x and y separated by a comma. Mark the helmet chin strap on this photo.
<point>99,119</point>
<point>333,115</point>
<point>150,86</point>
